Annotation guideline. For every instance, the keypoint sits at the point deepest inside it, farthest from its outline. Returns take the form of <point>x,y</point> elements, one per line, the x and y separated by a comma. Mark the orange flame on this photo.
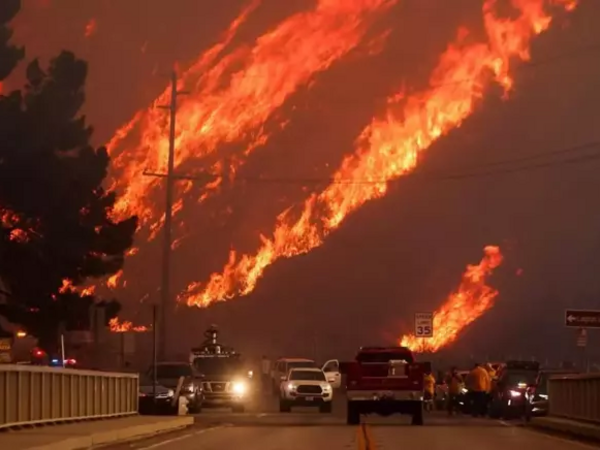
<point>67,286</point>
<point>123,327</point>
<point>388,148</point>
<point>227,105</point>
<point>18,235</point>
<point>472,298</point>
<point>113,280</point>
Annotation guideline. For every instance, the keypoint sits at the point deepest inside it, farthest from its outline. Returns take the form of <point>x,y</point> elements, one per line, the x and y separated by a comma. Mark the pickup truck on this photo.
<point>384,381</point>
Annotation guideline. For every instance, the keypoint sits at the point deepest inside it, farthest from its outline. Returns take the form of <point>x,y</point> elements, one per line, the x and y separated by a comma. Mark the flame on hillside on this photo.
<point>117,326</point>
<point>470,301</point>
<point>390,146</point>
<point>228,104</point>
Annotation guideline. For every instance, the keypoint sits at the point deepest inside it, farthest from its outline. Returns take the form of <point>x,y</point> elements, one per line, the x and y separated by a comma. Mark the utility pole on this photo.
<point>165,289</point>
<point>170,178</point>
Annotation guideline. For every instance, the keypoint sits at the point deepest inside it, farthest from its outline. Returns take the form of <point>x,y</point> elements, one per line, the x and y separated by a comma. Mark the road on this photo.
<point>264,428</point>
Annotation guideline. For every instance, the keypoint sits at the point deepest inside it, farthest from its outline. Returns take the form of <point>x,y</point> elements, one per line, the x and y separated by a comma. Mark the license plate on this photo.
<point>309,399</point>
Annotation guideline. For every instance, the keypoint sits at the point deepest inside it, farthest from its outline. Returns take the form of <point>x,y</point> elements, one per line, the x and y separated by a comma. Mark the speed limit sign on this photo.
<point>424,325</point>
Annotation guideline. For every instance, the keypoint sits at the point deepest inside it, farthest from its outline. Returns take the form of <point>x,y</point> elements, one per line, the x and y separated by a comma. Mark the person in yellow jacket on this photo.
<point>428,390</point>
<point>493,377</point>
<point>479,386</point>
<point>491,372</point>
<point>455,387</point>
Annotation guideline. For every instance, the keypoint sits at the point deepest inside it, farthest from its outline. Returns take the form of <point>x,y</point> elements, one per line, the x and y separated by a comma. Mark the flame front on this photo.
<point>226,105</point>
<point>389,147</point>
<point>126,326</point>
<point>472,298</point>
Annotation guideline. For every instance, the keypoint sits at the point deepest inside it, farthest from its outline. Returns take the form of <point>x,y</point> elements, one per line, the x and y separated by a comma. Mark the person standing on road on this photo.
<point>479,385</point>
<point>454,383</point>
<point>265,368</point>
<point>428,390</point>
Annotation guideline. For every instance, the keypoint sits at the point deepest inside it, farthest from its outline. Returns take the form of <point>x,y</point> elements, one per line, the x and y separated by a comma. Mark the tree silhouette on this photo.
<point>56,222</point>
<point>9,54</point>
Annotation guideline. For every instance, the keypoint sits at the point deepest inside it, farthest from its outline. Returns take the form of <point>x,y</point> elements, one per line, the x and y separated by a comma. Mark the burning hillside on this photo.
<point>469,302</point>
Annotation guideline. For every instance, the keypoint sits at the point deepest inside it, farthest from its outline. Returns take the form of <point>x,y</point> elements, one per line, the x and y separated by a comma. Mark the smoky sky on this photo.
<point>405,252</point>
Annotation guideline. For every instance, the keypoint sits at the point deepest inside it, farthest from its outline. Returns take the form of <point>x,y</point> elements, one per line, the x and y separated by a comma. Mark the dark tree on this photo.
<point>9,54</point>
<point>56,222</point>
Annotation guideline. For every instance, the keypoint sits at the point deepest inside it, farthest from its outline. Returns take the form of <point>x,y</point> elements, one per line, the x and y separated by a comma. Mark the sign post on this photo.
<point>581,318</point>
<point>424,325</point>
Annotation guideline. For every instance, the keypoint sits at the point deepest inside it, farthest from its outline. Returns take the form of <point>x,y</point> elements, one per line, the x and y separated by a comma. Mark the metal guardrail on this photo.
<point>575,397</point>
<point>35,395</point>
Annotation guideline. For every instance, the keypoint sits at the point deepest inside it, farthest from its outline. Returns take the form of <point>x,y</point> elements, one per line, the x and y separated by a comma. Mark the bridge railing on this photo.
<point>575,397</point>
<point>35,394</point>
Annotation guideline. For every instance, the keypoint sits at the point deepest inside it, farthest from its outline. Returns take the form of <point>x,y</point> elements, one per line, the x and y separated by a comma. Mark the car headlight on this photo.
<point>239,388</point>
<point>291,386</point>
<point>464,391</point>
<point>543,396</point>
<point>326,386</point>
<point>189,388</point>
<point>515,394</point>
<point>170,393</point>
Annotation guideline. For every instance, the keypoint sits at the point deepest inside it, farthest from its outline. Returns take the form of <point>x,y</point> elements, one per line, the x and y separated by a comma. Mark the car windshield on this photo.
<point>309,375</point>
<point>173,370</point>
<point>300,364</point>
<point>520,377</point>
<point>217,366</point>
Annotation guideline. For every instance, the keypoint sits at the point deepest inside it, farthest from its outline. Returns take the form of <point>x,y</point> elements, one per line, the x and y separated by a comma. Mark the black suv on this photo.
<point>168,375</point>
<point>225,382</point>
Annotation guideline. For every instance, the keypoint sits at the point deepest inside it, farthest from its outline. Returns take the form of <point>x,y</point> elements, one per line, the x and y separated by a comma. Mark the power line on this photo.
<point>575,52</point>
<point>447,175</point>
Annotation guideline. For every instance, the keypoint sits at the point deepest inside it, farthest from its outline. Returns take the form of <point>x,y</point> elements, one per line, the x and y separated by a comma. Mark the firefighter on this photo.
<point>479,386</point>
<point>455,385</point>
<point>428,390</point>
<point>493,377</point>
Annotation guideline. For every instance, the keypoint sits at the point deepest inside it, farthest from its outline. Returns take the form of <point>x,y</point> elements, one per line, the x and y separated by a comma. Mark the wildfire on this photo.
<point>472,298</point>
<point>390,146</point>
<point>123,327</point>
<point>67,286</point>
<point>113,280</point>
<point>234,95</point>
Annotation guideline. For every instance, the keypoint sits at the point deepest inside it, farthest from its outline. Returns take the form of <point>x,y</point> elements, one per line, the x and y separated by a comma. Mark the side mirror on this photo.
<point>283,378</point>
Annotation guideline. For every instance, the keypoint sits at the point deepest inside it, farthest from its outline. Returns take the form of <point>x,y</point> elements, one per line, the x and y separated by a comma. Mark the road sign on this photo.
<point>580,318</point>
<point>582,338</point>
<point>424,325</point>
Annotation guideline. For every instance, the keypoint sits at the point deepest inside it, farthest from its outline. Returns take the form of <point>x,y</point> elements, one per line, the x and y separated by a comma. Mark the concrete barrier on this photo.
<point>575,397</point>
<point>35,395</point>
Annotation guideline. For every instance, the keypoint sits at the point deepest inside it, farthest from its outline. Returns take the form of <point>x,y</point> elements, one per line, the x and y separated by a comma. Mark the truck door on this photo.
<point>332,372</point>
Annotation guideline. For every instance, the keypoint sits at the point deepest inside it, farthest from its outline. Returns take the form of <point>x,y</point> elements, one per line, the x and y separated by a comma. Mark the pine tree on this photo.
<point>56,222</point>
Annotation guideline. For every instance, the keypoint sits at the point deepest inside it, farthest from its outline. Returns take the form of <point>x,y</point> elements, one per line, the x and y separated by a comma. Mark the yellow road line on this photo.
<point>360,438</point>
<point>364,437</point>
<point>370,438</point>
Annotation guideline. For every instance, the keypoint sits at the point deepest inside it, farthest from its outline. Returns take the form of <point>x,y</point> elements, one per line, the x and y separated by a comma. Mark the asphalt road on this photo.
<point>262,427</point>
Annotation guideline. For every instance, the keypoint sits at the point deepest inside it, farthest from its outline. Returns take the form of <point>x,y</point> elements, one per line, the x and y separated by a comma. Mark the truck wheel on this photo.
<point>352,414</point>
<point>325,408</point>
<point>238,408</point>
<point>284,406</point>
<point>417,417</point>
